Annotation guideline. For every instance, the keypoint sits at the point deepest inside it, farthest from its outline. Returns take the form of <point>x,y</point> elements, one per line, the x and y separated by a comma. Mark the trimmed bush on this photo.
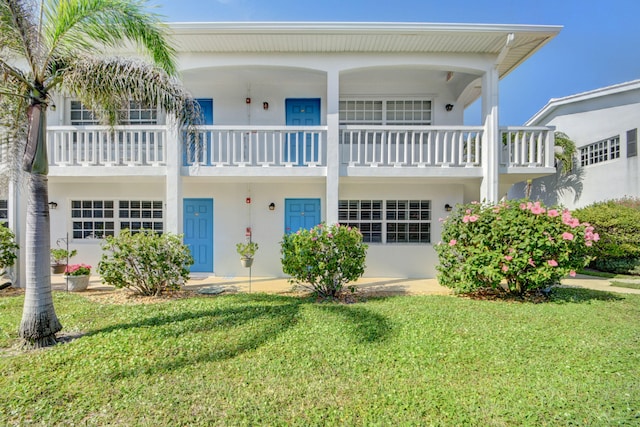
<point>515,244</point>
<point>147,262</point>
<point>324,259</point>
<point>618,222</point>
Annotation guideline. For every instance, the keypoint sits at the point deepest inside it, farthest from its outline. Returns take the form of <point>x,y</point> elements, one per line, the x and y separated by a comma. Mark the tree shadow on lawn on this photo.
<point>565,294</point>
<point>259,319</point>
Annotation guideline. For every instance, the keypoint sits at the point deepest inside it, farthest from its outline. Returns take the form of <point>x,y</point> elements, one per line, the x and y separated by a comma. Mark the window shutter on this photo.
<point>632,142</point>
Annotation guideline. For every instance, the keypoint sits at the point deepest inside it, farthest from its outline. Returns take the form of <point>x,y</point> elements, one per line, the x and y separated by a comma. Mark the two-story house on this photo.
<point>357,123</point>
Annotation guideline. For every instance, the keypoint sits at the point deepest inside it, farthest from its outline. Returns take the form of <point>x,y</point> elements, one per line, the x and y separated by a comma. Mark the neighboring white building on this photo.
<point>357,123</point>
<point>604,125</point>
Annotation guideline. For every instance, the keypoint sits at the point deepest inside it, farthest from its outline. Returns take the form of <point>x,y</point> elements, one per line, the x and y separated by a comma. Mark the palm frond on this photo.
<point>567,153</point>
<point>106,85</point>
<point>77,26</point>
<point>19,32</point>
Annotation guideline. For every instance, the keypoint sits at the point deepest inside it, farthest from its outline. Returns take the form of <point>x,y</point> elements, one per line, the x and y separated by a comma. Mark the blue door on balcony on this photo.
<point>201,152</point>
<point>198,233</point>
<point>301,213</point>
<point>302,112</point>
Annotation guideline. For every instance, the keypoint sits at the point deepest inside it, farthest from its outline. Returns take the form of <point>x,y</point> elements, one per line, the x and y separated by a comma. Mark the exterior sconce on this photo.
<point>247,100</point>
<point>448,207</point>
<point>448,107</point>
<point>53,205</point>
<point>272,206</point>
<point>265,105</point>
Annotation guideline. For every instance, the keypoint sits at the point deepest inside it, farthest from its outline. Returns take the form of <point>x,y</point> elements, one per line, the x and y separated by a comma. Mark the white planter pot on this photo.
<point>246,262</point>
<point>77,283</point>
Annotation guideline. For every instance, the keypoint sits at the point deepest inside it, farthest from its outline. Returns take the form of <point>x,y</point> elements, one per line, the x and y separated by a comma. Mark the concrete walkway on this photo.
<point>396,286</point>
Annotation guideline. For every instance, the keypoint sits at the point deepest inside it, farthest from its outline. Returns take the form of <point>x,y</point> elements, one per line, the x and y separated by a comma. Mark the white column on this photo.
<point>491,146</point>
<point>173,181</point>
<point>333,146</point>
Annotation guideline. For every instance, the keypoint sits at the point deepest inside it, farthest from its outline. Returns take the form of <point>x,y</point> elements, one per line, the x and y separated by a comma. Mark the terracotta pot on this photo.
<point>58,268</point>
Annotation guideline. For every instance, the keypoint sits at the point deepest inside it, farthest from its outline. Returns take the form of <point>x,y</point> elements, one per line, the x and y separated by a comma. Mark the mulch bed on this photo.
<point>490,294</point>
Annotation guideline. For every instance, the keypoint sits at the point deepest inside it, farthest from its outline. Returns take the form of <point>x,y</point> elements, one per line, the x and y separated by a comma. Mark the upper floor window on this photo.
<point>97,219</point>
<point>601,151</point>
<point>389,221</point>
<point>385,112</point>
<point>134,114</point>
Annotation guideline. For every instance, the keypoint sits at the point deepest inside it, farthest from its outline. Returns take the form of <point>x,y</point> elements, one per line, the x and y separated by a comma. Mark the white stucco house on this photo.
<point>357,123</point>
<point>604,125</point>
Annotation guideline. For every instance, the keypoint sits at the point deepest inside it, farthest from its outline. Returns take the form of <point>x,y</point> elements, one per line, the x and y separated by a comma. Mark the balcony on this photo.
<point>297,151</point>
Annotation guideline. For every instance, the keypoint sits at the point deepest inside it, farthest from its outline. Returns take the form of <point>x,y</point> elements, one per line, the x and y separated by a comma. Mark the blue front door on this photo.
<point>201,152</point>
<point>302,112</point>
<point>301,213</point>
<point>198,233</point>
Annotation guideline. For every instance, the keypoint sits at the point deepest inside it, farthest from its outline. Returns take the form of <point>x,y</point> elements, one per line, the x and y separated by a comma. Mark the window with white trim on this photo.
<point>601,151</point>
<point>386,112</point>
<point>134,114</point>
<point>389,221</point>
<point>97,219</point>
<point>4,212</point>
<point>136,215</point>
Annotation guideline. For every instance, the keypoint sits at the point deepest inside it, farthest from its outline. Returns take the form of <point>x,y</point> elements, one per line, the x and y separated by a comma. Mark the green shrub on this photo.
<point>324,259</point>
<point>618,222</point>
<point>8,248</point>
<point>517,243</point>
<point>147,262</point>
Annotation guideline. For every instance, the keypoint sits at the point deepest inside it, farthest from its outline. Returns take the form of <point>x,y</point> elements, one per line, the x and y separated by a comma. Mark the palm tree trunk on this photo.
<point>39,321</point>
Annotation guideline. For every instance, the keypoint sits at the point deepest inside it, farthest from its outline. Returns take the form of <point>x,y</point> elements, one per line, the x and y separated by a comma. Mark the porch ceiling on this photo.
<point>292,37</point>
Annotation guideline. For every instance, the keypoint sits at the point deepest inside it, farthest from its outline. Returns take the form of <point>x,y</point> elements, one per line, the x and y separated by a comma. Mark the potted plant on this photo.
<point>59,259</point>
<point>77,276</point>
<point>246,252</point>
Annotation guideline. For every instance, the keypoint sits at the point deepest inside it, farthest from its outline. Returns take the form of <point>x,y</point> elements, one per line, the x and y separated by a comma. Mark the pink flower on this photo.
<point>330,235</point>
<point>588,243</point>
<point>531,263</point>
<point>465,219</point>
<point>473,218</point>
<point>505,268</point>
<point>552,263</point>
<point>567,236</point>
<point>508,257</point>
<point>553,213</point>
<point>468,211</point>
<point>572,273</point>
<point>452,242</point>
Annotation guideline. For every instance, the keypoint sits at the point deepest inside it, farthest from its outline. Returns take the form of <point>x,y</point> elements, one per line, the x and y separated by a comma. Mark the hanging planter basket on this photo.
<point>246,262</point>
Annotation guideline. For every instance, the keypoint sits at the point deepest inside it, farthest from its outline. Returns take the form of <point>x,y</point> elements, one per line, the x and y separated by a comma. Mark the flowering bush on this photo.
<point>8,248</point>
<point>77,270</point>
<point>325,258</point>
<point>520,244</point>
<point>147,262</point>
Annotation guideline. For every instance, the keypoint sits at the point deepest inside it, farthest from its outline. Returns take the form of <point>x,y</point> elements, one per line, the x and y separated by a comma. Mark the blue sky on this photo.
<point>598,46</point>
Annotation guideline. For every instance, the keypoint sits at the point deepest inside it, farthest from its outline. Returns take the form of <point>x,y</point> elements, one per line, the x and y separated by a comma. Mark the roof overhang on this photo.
<point>554,103</point>
<point>362,37</point>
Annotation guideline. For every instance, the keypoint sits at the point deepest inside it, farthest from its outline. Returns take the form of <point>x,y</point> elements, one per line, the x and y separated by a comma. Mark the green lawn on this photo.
<point>275,360</point>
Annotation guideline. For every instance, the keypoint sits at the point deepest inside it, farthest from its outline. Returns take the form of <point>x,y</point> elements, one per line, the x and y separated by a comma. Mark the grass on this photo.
<point>275,360</point>
<point>630,285</point>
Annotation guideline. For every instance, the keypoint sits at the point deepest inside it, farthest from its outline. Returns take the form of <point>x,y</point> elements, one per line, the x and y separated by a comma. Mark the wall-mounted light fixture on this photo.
<point>53,205</point>
<point>247,100</point>
<point>265,105</point>
<point>272,206</point>
<point>448,107</point>
<point>448,207</point>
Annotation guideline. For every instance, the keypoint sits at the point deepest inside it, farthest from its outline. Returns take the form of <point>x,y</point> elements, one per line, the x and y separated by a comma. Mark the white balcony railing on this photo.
<point>527,146</point>
<point>411,146</point>
<point>106,146</point>
<point>263,146</point>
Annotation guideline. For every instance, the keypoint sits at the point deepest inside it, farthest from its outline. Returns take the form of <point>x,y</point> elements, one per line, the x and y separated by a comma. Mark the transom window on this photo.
<point>390,221</point>
<point>134,114</point>
<point>97,219</point>
<point>601,151</point>
<point>385,112</point>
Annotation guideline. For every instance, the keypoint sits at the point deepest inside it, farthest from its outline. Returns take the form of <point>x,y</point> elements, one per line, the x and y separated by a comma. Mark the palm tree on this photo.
<point>57,47</point>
